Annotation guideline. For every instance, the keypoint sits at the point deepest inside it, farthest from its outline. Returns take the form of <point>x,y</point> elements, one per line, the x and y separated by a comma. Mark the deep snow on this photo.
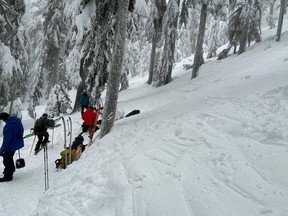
<point>212,146</point>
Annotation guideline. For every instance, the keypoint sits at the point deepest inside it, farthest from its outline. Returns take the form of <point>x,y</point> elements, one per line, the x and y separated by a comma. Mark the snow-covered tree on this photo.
<point>59,102</point>
<point>187,33</point>
<point>33,29</point>
<point>280,20</point>
<point>16,108</point>
<point>158,8</point>
<point>198,57</point>
<point>163,73</point>
<point>136,59</point>
<point>271,18</point>
<point>116,66</point>
<point>13,58</point>
<point>216,28</point>
<point>243,27</point>
<point>91,42</point>
<point>54,31</point>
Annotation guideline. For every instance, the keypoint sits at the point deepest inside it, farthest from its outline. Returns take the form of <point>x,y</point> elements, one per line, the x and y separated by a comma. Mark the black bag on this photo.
<point>20,163</point>
<point>77,141</point>
<point>51,123</point>
<point>134,112</point>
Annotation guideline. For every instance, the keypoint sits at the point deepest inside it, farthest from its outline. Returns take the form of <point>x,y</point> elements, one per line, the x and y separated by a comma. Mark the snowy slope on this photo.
<point>215,145</point>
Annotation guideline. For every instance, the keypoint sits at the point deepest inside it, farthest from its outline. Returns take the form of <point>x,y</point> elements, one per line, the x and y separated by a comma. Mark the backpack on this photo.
<point>75,155</point>
<point>134,112</point>
<point>51,123</point>
<point>38,126</point>
<point>77,141</point>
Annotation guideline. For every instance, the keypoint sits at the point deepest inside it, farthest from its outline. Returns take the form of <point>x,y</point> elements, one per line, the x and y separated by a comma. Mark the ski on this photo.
<point>46,175</point>
<point>55,126</point>
<point>65,140</point>
<point>32,134</point>
<point>35,116</point>
<point>70,140</point>
<point>28,135</point>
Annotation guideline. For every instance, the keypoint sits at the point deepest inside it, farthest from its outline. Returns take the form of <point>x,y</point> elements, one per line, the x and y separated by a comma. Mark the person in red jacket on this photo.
<point>89,117</point>
<point>98,121</point>
<point>96,125</point>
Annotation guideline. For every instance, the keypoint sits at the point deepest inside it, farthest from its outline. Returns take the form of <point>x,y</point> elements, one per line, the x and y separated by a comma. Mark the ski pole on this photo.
<point>46,148</point>
<point>45,177</point>
<point>65,140</point>
<point>32,144</point>
<point>70,141</point>
<point>46,168</point>
<point>35,116</point>
<point>68,127</point>
<point>52,137</point>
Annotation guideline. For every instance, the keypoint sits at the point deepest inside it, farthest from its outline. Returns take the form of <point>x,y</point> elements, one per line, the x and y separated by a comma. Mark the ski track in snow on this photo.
<point>233,128</point>
<point>231,146</point>
<point>179,146</point>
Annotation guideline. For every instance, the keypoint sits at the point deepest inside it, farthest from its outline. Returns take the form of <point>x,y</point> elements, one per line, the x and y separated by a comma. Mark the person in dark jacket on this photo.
<point>12,141</point>
<point>84,102</point>
<point>40,129</point>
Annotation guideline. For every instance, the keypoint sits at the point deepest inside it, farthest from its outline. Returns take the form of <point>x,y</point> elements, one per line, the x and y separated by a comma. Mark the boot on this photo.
<point>3,179</point>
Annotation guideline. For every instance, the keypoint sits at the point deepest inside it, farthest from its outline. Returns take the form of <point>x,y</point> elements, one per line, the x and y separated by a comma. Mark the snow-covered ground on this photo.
<point>216,145</point>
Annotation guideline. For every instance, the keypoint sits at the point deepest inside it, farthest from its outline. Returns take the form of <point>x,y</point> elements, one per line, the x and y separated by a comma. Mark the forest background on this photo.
<point>50,47</point>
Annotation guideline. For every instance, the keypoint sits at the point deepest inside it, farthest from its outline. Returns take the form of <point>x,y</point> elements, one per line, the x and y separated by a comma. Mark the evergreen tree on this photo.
<point>124,81</point>
<point>243,27</point>
<point>54,31</point>
<point>163,73</point>
<point>280,20</point>
<point>184,14</point>
<point>116,66</point>
<point>271,18</point>
<point>11,49</point>
<point>198,57</point>
<point>157,13</point>
<point>216,28</point>
<point>37,95</point>
<point>96,50</point>
<point>59,102</point>
<point>187,34</point>
<point>250,24</point>
<point>33,28</point>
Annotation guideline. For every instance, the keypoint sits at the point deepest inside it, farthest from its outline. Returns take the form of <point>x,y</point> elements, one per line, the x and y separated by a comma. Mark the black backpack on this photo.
<point>134,112</point>
<point>77,141</point>
<point>38,126</point>
<point>51,123</point>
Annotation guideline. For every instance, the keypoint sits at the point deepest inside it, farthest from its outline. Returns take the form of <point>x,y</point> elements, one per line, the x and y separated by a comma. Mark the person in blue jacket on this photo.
<point>12,141</point>
<point>84,101</point>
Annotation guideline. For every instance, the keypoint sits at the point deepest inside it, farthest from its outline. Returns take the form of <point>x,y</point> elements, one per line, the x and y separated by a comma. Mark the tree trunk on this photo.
<point>152,58</point>
<point>173,36</point>
<point>280,20</point>
<point>161,8</point>
<point>244,36</point>
<point>271,14</point>
<point>164,68</point>
<point>124,80</point>
<point>83,74</point>
<point>115,70</point>
<point>198,58</point>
